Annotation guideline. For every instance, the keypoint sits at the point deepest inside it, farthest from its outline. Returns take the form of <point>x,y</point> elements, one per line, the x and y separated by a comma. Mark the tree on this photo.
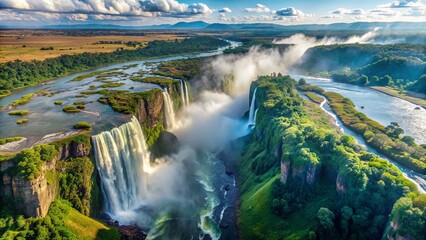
<point>363,80</point>
<point>408,140</point>
<point>302,81</point>
<point>326,224</point>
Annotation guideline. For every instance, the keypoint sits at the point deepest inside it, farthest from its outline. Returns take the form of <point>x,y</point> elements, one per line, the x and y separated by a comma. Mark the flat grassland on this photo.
<point>25,45</point>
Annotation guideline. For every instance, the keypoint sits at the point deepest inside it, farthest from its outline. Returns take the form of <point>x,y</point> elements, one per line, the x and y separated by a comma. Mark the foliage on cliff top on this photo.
<point>62,222</point>
<point>128,102</point>
<point>30,160</point>
<point>285,133</point>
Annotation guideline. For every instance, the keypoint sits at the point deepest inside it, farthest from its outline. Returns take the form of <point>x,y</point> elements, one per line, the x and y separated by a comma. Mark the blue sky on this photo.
<point>147,12</point>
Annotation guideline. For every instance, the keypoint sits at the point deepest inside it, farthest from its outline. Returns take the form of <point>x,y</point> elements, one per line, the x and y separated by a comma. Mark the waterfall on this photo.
<point>253,111</point>
<point>122,159</point>
<point>184,92</point>
<point>169,111</point>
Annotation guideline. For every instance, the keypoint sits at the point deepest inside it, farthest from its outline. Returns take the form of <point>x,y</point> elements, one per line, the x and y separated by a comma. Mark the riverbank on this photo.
<point>415,98</point>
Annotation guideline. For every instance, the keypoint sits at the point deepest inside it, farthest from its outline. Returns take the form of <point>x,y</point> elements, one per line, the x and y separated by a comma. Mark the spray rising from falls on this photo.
<point>169,111</point>
<point>123,163</point>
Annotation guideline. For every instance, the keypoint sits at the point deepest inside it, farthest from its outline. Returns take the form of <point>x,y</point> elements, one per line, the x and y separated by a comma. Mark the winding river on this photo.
<point>378,106</point>
<point>47,121</point>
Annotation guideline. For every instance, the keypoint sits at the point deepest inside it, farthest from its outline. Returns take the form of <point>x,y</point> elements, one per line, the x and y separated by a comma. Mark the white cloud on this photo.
<point>345,11</point>
<point>289,12</point>
<point>225,10</point>
<point>144,8</point>
<point>260,8</point>
<point>404,4</point>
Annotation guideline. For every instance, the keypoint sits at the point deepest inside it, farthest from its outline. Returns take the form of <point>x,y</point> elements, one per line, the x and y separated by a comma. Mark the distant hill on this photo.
<point>200,25</point>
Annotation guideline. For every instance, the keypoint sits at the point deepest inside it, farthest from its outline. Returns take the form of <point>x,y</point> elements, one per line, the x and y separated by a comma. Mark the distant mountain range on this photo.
<point>200,25</point>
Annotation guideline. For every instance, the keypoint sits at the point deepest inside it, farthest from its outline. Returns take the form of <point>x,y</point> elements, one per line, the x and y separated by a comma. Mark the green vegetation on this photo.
<point>301,179</point>
<point>401,66</point>
<point>314,97</point>
<point>58,102</point>
<point>22,121</point>
<point>18,74</point>
<point>181,69</point>
<point>163,82</point>
<point>127,103</point>
<point>387,140</point>
<point>23,100</point>
<point>9,140</point>
<point>30,160</point>
<point>75,182</point>
<point>88,75</point>
<point>4,93</point>
<point>62,222</point>
<point>83,125</point>
<point>70,109</point>
<point>111,85</point>
<point>19,112</point>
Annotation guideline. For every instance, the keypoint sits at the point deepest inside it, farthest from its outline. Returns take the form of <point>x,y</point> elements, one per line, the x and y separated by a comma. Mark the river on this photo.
<point>47,121</point>
<point>376,102</point>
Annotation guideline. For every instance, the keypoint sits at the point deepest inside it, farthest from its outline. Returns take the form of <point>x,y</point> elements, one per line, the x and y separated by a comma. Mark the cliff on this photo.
<point>34,196</point>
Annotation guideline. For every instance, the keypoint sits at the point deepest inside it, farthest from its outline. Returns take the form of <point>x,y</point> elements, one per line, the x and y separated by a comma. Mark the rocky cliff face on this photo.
<point>35,196</point>
<point>150,110</point>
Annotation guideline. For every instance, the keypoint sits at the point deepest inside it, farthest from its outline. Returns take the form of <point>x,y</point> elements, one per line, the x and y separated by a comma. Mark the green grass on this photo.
<point>314,97</point>
<point>4,93</point>
<point>22,121</point>
<point>71,109</point>
<point>9,140</point>
<point>23,100</point>
<point>111,85</point>
<point>58,102</point>
<point>83,125</point>
<point>155,80</point>
<point>19,112</point>
<point>88,75</point>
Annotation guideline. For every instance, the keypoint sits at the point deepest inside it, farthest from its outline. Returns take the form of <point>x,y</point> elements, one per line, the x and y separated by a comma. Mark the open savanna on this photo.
<point>12,43</point>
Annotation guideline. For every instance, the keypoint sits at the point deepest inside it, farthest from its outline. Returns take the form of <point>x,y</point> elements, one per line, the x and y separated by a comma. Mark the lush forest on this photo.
<point>301,179</point>
<point>20,74</point>
<point>402,66</point>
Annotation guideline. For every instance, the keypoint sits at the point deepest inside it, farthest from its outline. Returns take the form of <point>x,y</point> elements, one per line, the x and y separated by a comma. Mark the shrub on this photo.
<point>19,112</point>
<point>22,121</point>
<point>58,103</point>
<point>83,125</point>
<point>71,109</point>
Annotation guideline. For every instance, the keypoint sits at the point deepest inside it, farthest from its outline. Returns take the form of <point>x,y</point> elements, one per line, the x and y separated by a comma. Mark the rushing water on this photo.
<point>169,111</point>
<point>380,107</point>
<point>252,113</point>
<point>184,92</point>
<point>122,159</point>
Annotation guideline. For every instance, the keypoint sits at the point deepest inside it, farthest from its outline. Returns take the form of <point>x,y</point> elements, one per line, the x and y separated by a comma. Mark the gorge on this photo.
<point>241,160</point>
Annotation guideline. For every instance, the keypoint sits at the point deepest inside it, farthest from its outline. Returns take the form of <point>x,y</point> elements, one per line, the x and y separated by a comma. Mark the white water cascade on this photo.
<point>169,111</point>
<point>184,92</point>
<point>122,159</point>
<point>253,111</point>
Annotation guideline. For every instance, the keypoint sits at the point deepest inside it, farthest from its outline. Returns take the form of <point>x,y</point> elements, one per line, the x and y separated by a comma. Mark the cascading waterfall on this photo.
<point>169,111</point>
<point>253,111</point>
<point>122,159</point>
<point>184,92</point>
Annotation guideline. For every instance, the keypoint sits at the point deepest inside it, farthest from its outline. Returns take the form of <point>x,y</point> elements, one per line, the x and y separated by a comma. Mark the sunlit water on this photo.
<point>380,107</point>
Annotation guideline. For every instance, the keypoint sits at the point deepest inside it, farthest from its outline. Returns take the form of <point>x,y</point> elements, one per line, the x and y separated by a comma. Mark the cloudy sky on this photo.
<point>147,12</point>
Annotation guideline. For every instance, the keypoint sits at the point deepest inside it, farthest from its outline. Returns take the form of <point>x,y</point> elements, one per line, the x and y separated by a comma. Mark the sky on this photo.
<point>150,12</point>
